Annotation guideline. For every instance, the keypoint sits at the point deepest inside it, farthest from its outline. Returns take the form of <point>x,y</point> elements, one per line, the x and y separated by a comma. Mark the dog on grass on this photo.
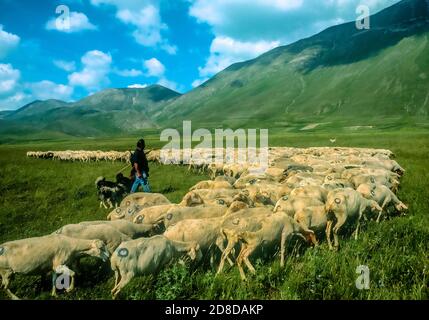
<point>111,193</point>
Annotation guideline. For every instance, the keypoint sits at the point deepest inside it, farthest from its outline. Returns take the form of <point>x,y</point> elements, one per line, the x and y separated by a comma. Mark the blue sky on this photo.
<point>133,43</point>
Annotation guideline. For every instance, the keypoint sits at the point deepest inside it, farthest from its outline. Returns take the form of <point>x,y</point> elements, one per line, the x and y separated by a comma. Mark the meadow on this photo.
<point>39,196</point>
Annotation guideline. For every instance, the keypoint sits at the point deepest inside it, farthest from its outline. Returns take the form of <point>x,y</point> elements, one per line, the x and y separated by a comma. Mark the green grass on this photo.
<point>39,196</point>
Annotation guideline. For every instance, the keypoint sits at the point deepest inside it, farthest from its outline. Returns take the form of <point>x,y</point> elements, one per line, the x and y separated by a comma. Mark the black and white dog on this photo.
<point>111,193</point>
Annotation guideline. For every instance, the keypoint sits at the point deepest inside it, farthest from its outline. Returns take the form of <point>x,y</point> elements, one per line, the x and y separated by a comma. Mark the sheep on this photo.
<point>209,184</point>
<point>215,169</point>
<point>111,236</point>
<point>230,180</point>
<point>128,228</point>
<point>274,229</point>
<point>346,205</point>
<point>210,197</point>
<point>251,179</point>
<point>210,194</point>
<point>314,218</point>
<point>205,232</point>
<point>177,214</point>
<point>144,199</point>
<point>390,165</point>
<point>127,213</point>
<point>45,254</point>
<point>146,256</point>
<point>357,180</point>
<point>290,205</point>
<point>246,219</point>
<point>382,195</point>
<point>314,192</point>
<point>191,199</point>
<point>153,214</point>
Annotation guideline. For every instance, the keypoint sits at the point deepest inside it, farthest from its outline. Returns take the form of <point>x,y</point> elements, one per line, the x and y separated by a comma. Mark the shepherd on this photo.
<point>140,168</point>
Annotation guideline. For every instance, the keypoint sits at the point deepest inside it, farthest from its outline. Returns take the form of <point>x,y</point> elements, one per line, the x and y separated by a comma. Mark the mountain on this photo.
<point>340,78</point>
<point>36,107</point>
<point>4,114</point>
<point>341,74</point>
<point>106,112</point>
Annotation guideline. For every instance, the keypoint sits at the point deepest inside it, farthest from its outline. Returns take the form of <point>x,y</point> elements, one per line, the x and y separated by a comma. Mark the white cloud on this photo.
<point>276,20</point>
<point>77,21</point>
<point>46,89</point>
<point>15,94</point>
<point>154,68</point>
<point>145,18</point>
<point>15,101</point>
<point>137,86</point>
<point>130,73</point>
<point>8,42</point>
<point>225,51</point>
<point>148,23</point>
<point>96,67</point>
<point>170,49</point>
<point>9,78</point>
<point>68,66</point>
<point>168,84</point>
<point>199,82</point>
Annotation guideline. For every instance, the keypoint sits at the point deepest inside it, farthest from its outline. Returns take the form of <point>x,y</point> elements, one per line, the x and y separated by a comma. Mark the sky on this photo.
<point>69,49</point>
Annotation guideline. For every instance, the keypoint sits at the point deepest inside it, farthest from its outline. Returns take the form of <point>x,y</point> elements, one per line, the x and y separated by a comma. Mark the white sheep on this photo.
<point>53,253</point>
<point>146,256</point>
<point>108,234</point>
<point>383,195</point>
<point>347,205</point>
<point>275,230</point>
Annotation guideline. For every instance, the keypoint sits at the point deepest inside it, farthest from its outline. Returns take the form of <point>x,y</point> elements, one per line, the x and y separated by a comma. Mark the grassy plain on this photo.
<point>39,196</point>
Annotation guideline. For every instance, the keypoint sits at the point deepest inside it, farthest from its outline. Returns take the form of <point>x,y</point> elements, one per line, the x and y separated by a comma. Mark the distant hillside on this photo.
<point>340,78</point>
<point>37,107</point>
<point>340,74</point>
<point>107,112</point>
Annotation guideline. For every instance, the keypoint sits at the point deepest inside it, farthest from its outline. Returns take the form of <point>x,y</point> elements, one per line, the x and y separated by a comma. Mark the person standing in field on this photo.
<point>140,168</point>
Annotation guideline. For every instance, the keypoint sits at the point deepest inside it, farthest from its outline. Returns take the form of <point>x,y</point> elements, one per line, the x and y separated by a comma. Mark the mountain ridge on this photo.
<point>341,75</point>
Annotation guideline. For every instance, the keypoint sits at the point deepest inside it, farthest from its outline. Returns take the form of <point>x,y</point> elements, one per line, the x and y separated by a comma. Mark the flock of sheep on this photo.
<point>312,194</point>
<point>82,155</point>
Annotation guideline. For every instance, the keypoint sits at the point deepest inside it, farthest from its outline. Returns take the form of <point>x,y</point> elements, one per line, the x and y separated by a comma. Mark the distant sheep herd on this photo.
<point>312,194</point>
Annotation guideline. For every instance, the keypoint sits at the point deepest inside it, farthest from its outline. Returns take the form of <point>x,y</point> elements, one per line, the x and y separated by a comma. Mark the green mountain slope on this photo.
<point>341,74</point>
<point>340,78</point>
<point>37,107</point>
<point>107,112</point>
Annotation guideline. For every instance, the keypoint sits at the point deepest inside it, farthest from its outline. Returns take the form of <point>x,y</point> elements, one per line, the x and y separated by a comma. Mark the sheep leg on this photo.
<point>219,244</point>
<point>385,203</point>
<point>124,281</point>
<point>54,284</point>
<point>240,262</point>
<point>328,233</point>
<point>5,275</point>
<point>116,278</point>
<point>245,257</point>
<point>225,255</point>
<point>340,222</point>
<point>282,249</point>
